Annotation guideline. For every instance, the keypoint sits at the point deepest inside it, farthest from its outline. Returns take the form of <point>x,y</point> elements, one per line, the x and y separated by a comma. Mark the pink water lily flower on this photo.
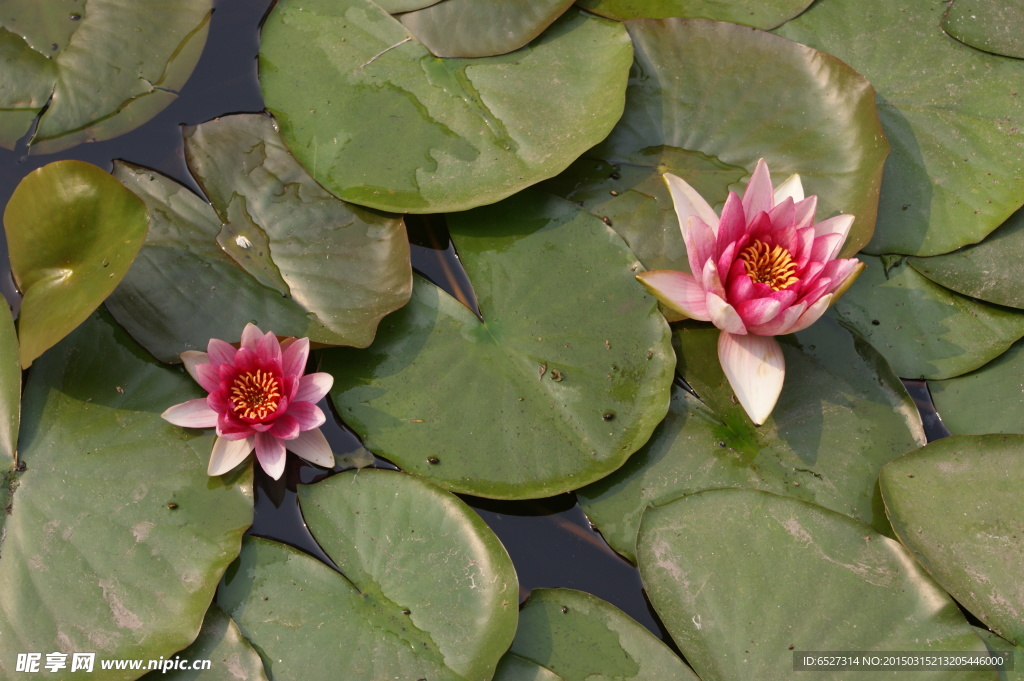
<point>764,268</point>
<point>258,399</point>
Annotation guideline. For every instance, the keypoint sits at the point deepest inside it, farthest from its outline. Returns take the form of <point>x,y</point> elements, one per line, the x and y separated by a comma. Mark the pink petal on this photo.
<point>739,285</point>
<point>271,454</point>
<point>218,401</point>
<point>230,427</point>
<point>733,223</point>
<point>755,368</point>
<point>313,447</point>
<point>191,414</point>
<point>293,361</point>
<point>313,387</point>
<point>268,350</point>
<point>758,311</point>
<point>781,323</point>
<point>811,315</point>
<point>688,202</point>
<point>791,188</point>
<point>840,224</point>
<point>805,212</point>
<point>783,213</point>
<point>307,414</point>
<point>759,195</point>
<point>825,247</point>
<point>711,282</point>
<point>221,352</point>
<point>724,315</point>
<point>251,336</point>
<point>700,243</point>
<point>286,427</point>
<point>841,270</point>
<point>728,258</point>
<point>208,376</point>
<point>678,291</point>
<point>191,359</point>
<point>227,454</point>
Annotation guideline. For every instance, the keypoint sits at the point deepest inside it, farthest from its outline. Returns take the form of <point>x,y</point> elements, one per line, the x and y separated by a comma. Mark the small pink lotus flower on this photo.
<point>763,269</point>
<point>258,398</point>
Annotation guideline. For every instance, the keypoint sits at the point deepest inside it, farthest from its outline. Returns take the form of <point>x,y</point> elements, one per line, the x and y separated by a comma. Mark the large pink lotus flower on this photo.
<point>258,399</point>
<point>763,269</point>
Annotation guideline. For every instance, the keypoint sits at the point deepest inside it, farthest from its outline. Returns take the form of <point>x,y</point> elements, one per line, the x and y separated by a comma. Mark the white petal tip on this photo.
<point>755,368</point>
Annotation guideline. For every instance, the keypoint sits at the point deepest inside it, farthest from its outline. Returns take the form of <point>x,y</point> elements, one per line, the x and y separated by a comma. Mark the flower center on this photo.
<point>772,266</point>
<point>255,394</point>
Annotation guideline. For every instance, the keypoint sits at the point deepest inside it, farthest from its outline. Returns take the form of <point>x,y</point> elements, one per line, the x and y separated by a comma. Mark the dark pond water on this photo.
<point>550,540</point>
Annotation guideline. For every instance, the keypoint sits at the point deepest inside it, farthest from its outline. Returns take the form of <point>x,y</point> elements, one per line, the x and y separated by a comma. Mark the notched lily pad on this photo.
<point>116,537</point>
<point>428,590</point>
<point>956,504</point>
<point>842,415</point>
<point>101,68</point>
<point>992,25</point>
<point>705,101</point>
<point>921,328</point>
<point>72,232</point>
<point>273,248</point>
<point>565,377</point>
<point>351,86</point>
<point>763,14</point>
<point>987,400</point>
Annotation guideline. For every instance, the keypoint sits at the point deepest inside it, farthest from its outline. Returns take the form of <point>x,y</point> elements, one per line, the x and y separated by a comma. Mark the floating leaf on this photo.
<point>1004,649</point>
<point>705,102</point>
<point>991,25</point>
<point>396,6</point>
<point>223,646</point>
<point>430,591</point>
<point>987,400</point>
<point>556,625</point>
<point>95,70</point>
<point>350,86</point>
<point>956,504</point>
<point>922,329</point>
<point>274,249</point>
<point>10,398</point>
<point>116,537</point>
<point>989,270</point>
<point>756,13</point>
<point>842,415</point>
<point>515,668</point>
<point>952,114</point>
<point>565,377</point>
<point>72,232</point>
<point>744,580</point>
<point>481,28</point>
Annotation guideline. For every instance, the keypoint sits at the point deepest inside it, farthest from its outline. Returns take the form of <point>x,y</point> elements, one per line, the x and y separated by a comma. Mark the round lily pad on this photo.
<point>481,28</point>
<point>274,248</point>
<point>93,70</point>
<point>380,121</point>
<point>842,415</point>
<point>747,581</point>
<point>116,537</point>
<point>556,625</point>
<point>989,270</point>
<point>990,25</point>
<point>565,376</point>
<point>426,590</point>
<point>921,328</point>
<point>987,400</point>
<point>763,14</point>
<point>952,114</point>
<point>72,233</point>
<point>956,504</point>
<point>708,100</point>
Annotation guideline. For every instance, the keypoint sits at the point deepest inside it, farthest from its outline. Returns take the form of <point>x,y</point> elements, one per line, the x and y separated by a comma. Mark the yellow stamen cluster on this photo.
<point>255,394</point>
<point>772,266</point>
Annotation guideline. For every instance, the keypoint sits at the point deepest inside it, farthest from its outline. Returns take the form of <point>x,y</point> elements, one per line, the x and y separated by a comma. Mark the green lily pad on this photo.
<point>951,113</point>
<point>10,398</point>
<point>755,13</point>
<point>705,102</point>
<point>220,642</point>
<point>350,87</point>
<point>396,6</point>
<point>72,233</point>
<point>842,415</point>
<point>565,377</point>
<point>956,504</point>
<point>1005,649</point>
<point>514,668</point>
<point>745,581</point>
<point>116,538</point>
<point>95,70</point>
<point>922,329</point>
<point>987,400</point>
<point>988,270</point>
<point>481,28</point>
<point>430,591</point>
<point>991,25</point>
<point>556,626</point>
<point>274,248</point>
